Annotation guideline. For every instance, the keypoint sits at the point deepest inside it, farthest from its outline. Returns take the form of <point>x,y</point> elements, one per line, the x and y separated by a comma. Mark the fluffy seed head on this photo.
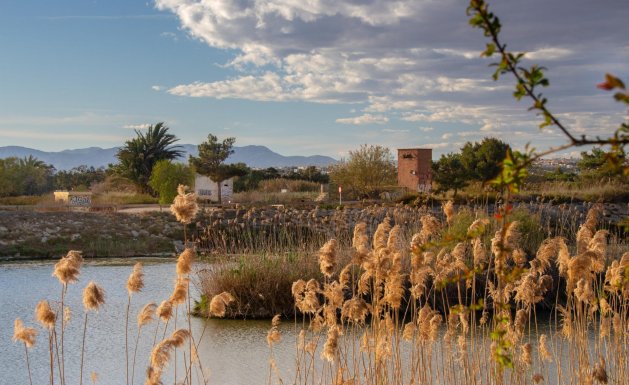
<point>219,303</point>
<point>330,347</point>
<point>93,296</point>
<point>477,228</point>
<point>355,310</point>
<point>24,334</point>
<point>381,236</point>
<point>180,291</point>
<point>448,210</point>
<point>273,336</point>
<point>164,310</point>
<point>45,315</point>
<point>145,316</point>
<point>185,261</point>
<point>184,206</point>
<point>135,283</point>
<point>179,336</point>
<point>68,268</point>
<point>542,348</point>
<point>526,354</point>
<point>327,258</point>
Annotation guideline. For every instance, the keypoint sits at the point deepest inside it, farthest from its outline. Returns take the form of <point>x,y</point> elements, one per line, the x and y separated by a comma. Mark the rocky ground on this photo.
<point>51,234</point>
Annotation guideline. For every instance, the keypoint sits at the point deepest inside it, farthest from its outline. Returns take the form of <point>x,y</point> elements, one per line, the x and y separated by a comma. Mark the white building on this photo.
<point>206,188</point>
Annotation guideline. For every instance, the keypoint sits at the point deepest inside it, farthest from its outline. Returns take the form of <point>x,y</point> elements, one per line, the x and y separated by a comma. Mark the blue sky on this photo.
<point>302,78</point>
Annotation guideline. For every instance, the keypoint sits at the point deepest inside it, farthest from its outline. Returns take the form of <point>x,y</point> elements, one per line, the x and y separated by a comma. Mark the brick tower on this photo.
<point>414,168</point>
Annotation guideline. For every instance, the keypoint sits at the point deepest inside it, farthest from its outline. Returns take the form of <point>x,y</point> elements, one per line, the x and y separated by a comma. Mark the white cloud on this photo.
<point>440,145</point>
<point>417,61</point>
<point>426,129</point>
<point>156,88</point>
<point>549,53</point>
<point>446,136</point>
<point>395,131</point>
<point>142,126</point>
<point>364,119</point>
<point>458,52</point>
<point>169,35</point>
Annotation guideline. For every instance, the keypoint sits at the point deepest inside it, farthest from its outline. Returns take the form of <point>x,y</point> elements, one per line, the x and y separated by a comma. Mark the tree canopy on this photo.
<point>482,161</point>
<point>366,170</point>
<point>167,176</point>
<point>24,176</point>
<point>139,155</point>
<point>211,161</point>
<point>449,173</point>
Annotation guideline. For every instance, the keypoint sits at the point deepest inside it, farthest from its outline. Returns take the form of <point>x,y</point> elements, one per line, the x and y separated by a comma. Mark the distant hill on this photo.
<point>252,156</point>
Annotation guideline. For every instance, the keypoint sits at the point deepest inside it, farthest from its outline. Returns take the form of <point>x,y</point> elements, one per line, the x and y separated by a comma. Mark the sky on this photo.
<point>300,77</point>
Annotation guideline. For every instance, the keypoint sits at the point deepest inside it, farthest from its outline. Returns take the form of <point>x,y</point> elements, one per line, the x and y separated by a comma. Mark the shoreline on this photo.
<point>44,235</point>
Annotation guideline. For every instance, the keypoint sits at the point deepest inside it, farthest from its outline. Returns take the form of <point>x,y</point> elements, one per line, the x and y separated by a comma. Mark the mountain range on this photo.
<point>252,156</point>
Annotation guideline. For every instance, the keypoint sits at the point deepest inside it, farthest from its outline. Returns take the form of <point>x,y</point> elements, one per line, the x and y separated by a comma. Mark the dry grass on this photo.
<point>375,323</point>
<point>260,197</point>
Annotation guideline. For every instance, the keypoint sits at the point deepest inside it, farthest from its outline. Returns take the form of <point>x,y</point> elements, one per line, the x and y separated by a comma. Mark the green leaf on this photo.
<point>476,20</point>
<point>491,48</point>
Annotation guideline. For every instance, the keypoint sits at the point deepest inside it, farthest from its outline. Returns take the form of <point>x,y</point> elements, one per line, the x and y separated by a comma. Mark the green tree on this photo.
<point>78,178</point>
<point>449,173</point>
<point>24,176</point>
<point>365,171</point>
<point>167,176</point>
<point>139,155</point>
<point>211,161</point>
<point>596,164</point>
<point>482,161</point>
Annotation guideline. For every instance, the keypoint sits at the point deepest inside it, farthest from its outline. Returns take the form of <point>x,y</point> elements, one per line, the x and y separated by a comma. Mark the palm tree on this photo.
<point>34,175</point>
<point>140,154</point>
<point>32,162</point>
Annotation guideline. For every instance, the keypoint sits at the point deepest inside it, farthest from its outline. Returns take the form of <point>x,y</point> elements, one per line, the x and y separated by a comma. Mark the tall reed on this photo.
<point>466,310</point>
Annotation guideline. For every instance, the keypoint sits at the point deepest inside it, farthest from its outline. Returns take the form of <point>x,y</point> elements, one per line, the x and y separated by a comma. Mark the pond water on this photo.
<point>231,352</point>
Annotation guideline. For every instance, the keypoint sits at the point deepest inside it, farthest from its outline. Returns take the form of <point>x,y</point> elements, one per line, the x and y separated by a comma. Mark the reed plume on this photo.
<point>93,296</point>
<point>327,258</point>
<point>360,243</point>
<point>93,299</point>
<point>135,282</point>
<point>27,336</point>
<point>45,315</point>
<point>430,228</point>
<point>68,268</point>
<point>448,210</point>
<point>160,355</point>
<point>542,348</point>
<point>185,205</point>
<point>185,261</point>
<point>219,303</point>
<point>145,316</point>
<point>164,310</point>
<point>180,292</point>
<point>24,334</point>
<point>477,228</point>
<point>274,336</point>
<point>330,347</point>
<point>48,319</point>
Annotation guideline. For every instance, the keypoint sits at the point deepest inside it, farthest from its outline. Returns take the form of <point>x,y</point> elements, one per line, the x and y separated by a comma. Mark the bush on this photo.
<point>260,283</point>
